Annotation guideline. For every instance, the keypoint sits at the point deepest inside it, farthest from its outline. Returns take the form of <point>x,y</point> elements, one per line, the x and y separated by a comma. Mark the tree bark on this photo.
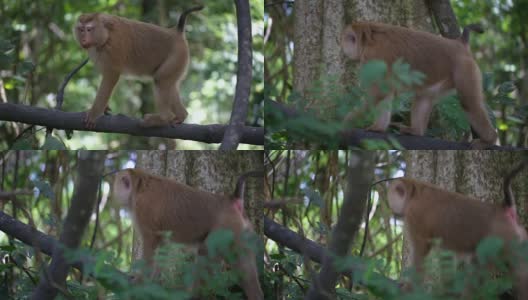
<point>90,170</point>
<point>244,78</point>
<point>445,18</point>
<point>123,124</point>
<point>359,178</point>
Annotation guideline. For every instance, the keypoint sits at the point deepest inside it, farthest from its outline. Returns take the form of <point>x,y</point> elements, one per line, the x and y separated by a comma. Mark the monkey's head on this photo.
<point>399,193</point>
<point>91,30</point>
<point>122,188</point>
<point>353,38</point>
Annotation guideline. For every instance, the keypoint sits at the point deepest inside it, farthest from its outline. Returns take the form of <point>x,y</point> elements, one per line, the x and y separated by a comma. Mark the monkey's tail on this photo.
<point>464,38</point>
<point>241,183</point>
<point>181,22</point>
<point>508,193</point>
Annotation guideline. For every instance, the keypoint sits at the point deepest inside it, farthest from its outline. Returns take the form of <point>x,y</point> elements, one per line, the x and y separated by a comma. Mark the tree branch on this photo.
<point>445,18</point>
<point>308,248</point>
<point>11,195</point>
<point>292,240</point>
<point>41,241</point>
<point>359,177</point>
<point>244,76</point>
<point>90,169</point>
<point>29,235</point>
<point>123,124</point>
<point>355,137</point>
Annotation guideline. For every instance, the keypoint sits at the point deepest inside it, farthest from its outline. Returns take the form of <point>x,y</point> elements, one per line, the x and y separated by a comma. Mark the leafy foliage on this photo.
<point>326,104</point>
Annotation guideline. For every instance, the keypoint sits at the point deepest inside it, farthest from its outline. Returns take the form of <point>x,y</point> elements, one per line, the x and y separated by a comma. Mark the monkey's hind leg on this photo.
<point>382,122</point>
<point>166,92</point>
<point>420,112</point>
<point>179,111</point>
<point>384,105</point>
<point>163,91</point>
<point>469,89</point>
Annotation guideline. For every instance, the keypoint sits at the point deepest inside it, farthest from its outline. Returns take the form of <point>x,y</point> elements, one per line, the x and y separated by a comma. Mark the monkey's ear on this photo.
<point>108,23</point>
<point>397,196</point>
<point>126,181</point>
<point>350,36</point>
<point>366,35</point>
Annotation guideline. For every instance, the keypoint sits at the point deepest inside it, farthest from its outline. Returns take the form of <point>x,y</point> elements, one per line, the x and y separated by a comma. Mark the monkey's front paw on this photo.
<point>108,111</point>
<point>177,121</point>
<point>90,119</point>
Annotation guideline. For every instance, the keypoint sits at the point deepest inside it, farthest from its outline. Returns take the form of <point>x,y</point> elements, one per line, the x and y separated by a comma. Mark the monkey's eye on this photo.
<point>351,37</point>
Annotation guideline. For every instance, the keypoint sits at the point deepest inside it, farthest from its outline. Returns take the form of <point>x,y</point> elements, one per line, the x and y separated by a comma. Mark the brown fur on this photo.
<point>160,205</point>
<point>447,64</point>
<point>121,46</point>
<point>459,221</point>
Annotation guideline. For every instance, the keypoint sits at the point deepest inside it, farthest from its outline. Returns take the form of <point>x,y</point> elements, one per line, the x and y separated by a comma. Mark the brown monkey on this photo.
<point>447,64</point>
<point>459,221</point>
<point>160,205</point>
<point>121,46</point>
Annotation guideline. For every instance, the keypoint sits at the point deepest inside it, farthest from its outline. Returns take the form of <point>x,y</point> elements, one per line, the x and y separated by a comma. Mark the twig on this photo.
<point>9,195</point>
<point>60,93</point>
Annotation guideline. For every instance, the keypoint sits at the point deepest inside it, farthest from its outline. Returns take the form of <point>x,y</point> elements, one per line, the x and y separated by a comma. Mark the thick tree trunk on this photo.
<point>317,29</point>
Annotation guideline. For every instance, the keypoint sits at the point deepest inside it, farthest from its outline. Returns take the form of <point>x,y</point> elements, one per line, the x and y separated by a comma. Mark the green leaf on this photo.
<point>489,249</point>
<point>5,45</point>
<point>403,73</point>
<point>277,256</point>
<point>26,67</point>
<point>504,100</point>
<point>218,242</point>
<point>8,248</point>
<point>6,60</point>
<point>53,143</point>
<point>22,144</point>
<point>372,71</point>
<point>506,87</point>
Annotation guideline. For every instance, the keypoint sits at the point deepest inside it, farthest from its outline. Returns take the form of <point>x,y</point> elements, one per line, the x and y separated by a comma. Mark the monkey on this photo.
<point>160,204</point>
<point>121,46</point>
<point>447,64</point>
<point>460,222</point>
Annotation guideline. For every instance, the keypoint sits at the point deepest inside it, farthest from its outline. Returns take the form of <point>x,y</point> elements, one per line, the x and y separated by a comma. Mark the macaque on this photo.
<point>121,46</point>
<point>458,221</point>
<point>160,205</point>
<point>447,64</point>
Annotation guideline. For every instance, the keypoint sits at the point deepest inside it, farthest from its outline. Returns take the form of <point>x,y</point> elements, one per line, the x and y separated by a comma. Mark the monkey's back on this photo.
<point>164,204</point>
<point>148,46</point>
<point>456,219</point>
<point>424,51</point>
